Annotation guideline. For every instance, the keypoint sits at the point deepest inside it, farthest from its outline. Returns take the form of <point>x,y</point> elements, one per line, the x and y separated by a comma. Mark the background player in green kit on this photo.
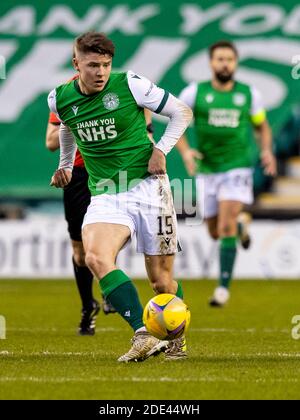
<point>103,113</point>
<point>224,110</point>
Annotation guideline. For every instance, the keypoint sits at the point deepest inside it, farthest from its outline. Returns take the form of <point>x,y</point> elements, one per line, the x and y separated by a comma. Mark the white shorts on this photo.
<point>148,211</point>
<point>234,185</point>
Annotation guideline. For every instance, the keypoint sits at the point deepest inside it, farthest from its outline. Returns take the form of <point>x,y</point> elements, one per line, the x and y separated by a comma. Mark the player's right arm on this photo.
<point>63,175</point>
<point>189,155</point>
<point>52,140</point>
<point>263,133</point>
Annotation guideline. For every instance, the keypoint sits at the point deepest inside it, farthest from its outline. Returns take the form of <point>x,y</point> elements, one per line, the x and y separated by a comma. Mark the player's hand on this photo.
<point>269,163</point>
<point>189,158</point>
<point>157,163</point>
<point>61,178</point>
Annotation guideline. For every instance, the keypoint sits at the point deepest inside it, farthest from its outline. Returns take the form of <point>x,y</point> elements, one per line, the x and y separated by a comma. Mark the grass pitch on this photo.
<point>244,351</point>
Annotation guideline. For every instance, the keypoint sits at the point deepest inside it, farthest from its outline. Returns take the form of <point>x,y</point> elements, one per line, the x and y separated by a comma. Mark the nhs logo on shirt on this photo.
<point>97,130</point>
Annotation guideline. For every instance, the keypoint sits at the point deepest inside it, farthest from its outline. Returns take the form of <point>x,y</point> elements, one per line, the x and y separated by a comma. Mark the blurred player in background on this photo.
<point>224,109</point>
<point>77,197</point>
<point>103,112</point>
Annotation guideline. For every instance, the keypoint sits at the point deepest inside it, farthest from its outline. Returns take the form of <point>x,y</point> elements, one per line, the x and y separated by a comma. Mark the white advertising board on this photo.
<point>40,248</point>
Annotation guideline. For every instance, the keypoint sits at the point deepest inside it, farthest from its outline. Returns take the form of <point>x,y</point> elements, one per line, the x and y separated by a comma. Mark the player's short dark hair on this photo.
<point>223,44</point>
<point>95,42</point>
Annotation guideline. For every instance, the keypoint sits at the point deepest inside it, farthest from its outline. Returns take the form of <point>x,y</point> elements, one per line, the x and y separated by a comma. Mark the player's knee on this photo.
<point>226,230</point>
<point>96,264</point>
<point>90,259</point>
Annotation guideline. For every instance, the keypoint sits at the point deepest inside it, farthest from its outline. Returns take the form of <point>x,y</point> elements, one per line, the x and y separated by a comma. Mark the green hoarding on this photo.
<point>165,41</point>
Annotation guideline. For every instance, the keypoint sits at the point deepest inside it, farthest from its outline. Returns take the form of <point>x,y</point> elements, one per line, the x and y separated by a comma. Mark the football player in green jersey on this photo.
<point>76,199</point>
<point>103,114</point>
<point>224,110</point>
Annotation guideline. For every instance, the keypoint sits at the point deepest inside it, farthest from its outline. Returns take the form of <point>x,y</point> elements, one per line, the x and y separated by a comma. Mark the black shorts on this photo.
<point>77,198</point>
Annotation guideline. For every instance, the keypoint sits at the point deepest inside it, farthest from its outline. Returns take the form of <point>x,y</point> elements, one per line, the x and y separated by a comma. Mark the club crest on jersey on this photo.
<point>111,101</point>
<point>239,99</point>
<point>75,109</point>
<point>209,98</point>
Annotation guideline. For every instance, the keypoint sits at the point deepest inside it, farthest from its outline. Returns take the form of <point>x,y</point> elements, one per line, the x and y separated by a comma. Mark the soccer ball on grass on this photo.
<point>166,317</point>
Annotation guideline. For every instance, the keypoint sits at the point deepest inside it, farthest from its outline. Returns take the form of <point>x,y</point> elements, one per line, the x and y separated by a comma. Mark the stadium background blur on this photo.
<point>245,350</point>
<point>166,42</point>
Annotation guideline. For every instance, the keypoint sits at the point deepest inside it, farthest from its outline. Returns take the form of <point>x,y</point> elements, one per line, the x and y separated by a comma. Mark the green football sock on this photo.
<point>227,259</point>
<point>179,292</point>
<point>121,293</point>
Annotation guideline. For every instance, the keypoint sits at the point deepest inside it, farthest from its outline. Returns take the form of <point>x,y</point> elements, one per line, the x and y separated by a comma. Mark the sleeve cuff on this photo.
<point>161,148</point>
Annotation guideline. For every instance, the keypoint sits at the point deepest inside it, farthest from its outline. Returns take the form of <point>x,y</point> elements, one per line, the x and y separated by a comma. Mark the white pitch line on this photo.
<point>237,331</point>
<point>205,379</point>
<point>202,357</point>
<point>201,330</point>
<point>49,353</point>
<point>60,330</point>
<point>119,379</point>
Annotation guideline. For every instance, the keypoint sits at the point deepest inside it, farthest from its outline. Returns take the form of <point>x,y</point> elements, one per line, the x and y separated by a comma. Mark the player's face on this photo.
<point>94,70</point>
<point>223,64</point>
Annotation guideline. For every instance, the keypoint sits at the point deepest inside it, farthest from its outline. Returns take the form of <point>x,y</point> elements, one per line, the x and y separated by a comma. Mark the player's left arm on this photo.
<point>268,160</point>
<point>150,96</point>
<point>188,154</point>
<point>263,133</point>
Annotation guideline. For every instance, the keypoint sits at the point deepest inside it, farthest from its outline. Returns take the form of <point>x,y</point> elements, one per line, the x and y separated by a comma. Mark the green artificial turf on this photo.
<point>243,351</point>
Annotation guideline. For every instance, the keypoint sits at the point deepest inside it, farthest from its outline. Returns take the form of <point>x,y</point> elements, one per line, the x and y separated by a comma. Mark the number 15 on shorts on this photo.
<point>165,225</point>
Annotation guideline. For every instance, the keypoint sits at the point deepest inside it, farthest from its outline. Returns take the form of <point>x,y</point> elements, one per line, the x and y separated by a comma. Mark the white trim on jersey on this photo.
<point>67,142</point>
<point>68,148</point>
<point>188,95</point>
<point>146,93</point>
<point>52,103</point>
